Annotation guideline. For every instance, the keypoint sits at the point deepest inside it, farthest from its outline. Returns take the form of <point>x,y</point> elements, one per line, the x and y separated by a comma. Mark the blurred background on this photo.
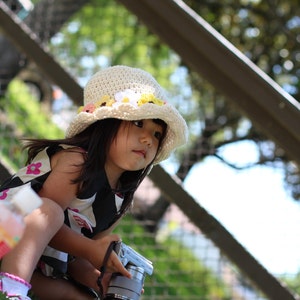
<point>220,218</point>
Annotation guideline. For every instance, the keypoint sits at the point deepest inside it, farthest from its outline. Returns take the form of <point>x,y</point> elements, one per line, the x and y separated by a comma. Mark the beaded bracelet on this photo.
<point>15,278</point>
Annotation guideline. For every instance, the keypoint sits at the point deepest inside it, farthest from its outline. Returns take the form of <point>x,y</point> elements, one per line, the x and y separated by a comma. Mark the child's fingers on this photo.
<point>117,266</point>
<point>113,263</point>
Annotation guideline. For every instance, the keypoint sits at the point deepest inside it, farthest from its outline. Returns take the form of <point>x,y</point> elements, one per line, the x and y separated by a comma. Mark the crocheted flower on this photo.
<point>150,98</point>
<point>105,101</point>
<point>137,99</point>
<point>34,168</point>
<point>127,96</point>
<point>89,108</point>
<point>3,194</point>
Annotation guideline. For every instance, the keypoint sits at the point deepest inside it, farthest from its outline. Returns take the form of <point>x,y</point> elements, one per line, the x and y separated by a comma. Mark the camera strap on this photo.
<point>103,267</point>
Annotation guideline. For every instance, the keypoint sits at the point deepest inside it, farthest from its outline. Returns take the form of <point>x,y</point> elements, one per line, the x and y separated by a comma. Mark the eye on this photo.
<point>138,123</point>
<point>158,135</point>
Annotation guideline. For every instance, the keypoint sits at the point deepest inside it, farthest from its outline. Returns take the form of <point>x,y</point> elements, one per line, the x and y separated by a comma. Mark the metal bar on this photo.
<point>27,42</point>
<point>211,227</point>
<point>201,47</point>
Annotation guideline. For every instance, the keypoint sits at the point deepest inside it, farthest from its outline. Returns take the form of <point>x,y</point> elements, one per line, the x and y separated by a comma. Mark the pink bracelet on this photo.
<point>15,278</point>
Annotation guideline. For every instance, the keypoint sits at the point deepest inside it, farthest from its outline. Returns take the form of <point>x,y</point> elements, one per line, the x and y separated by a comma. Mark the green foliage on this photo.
<point>2,296</point>
<point>293,282</point>
<point>104,33</point>
<point>26,113</point>
<point>24,118</point>
<point>266,31</point>
<point>172,261</point>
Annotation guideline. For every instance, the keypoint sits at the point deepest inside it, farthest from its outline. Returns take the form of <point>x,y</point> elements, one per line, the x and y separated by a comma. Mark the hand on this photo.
<point>105,282</point>
<point>113,264</point>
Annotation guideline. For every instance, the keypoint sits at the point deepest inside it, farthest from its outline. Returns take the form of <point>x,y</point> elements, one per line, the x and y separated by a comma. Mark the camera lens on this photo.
<point>121,287</point>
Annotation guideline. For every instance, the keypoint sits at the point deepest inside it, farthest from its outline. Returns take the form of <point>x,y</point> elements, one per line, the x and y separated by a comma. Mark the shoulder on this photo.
<point>69,158</point>
<point>66,167</point>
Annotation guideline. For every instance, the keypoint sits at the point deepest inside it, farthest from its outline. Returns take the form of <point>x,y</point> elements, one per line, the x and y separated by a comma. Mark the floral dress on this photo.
<point>89,213</point>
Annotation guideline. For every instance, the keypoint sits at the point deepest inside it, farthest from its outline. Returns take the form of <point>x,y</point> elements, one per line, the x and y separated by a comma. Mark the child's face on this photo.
<point>135,145</point>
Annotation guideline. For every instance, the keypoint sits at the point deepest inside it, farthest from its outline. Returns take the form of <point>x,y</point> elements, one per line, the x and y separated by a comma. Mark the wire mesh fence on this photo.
<point>187,263</point>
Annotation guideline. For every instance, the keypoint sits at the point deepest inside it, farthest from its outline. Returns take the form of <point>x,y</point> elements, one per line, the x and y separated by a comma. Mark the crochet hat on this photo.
<point>129,94</point>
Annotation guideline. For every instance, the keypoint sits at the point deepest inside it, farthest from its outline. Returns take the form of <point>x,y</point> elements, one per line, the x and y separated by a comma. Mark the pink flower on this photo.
<point>89,108</point>
<point>34,168</point>
<point>3,194</point>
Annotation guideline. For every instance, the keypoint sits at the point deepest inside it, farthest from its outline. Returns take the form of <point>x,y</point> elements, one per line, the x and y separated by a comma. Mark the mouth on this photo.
<point>140,152</point>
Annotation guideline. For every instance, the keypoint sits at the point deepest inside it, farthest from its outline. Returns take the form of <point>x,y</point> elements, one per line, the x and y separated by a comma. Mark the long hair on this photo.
<point>96,140</point>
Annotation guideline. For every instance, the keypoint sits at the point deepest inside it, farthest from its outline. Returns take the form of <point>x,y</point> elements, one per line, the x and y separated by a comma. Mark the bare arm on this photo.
<point>84,272</point>
<point>93,250</point>
<point>59,187</point>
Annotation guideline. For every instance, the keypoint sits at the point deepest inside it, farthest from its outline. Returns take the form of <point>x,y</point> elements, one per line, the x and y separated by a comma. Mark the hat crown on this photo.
<point>115,79</point>
<point>129,94</point>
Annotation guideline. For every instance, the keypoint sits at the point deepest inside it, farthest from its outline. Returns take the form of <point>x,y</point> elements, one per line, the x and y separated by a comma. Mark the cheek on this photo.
<point>153,151</point>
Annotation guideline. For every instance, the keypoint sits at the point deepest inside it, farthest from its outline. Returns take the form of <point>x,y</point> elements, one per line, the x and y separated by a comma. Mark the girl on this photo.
<point>87,182</point>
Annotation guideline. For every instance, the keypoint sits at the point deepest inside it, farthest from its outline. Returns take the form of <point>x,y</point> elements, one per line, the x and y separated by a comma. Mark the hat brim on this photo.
<point>176,134</point>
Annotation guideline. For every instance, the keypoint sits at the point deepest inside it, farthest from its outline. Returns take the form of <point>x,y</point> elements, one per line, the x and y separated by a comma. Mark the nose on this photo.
<point>146,138</point>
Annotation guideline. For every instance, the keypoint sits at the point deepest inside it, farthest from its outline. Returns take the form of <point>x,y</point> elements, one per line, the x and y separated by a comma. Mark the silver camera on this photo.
<point>121,287</point>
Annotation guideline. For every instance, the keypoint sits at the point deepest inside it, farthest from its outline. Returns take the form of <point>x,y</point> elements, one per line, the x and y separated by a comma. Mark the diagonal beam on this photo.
<point>211,227</point>
<point>28,42</point>
<point>201,47</point>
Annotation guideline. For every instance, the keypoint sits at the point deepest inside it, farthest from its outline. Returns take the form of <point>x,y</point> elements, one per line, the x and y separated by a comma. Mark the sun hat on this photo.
<point>129,94</point>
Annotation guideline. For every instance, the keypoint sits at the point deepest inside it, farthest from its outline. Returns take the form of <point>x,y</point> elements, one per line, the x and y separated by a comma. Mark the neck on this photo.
<point>112,177</point>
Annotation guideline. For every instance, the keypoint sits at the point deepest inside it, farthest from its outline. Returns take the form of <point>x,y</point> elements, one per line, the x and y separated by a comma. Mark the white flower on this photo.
<point>128,96</point>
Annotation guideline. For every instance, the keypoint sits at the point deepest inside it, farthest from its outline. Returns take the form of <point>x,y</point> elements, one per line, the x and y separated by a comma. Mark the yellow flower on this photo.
<point>149,98</point>
<point>105,101</point>
<point>158,102</point>
<point>125,100</point>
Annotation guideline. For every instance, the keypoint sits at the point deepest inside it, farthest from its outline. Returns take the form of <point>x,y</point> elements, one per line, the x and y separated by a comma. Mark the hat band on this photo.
<point>127,96</point>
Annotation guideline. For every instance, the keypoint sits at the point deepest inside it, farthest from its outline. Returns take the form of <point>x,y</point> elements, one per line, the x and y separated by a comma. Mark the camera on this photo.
<point>121,287</point>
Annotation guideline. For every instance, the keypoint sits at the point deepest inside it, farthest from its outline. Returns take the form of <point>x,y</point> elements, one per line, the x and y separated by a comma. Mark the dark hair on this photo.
<point>96,140</point>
